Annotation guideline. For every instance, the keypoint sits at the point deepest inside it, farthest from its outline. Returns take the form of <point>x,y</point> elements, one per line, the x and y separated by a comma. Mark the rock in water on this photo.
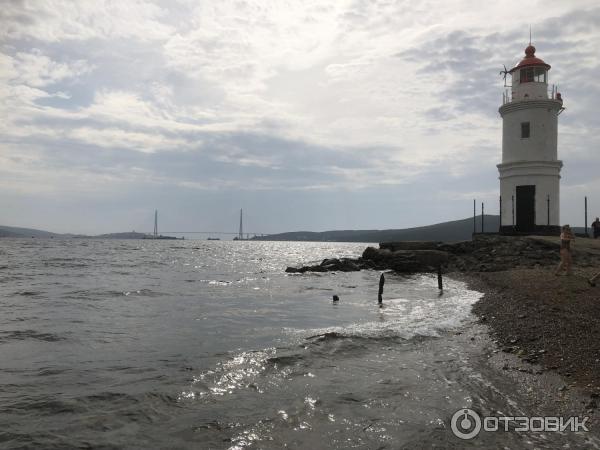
<point>406,260</point>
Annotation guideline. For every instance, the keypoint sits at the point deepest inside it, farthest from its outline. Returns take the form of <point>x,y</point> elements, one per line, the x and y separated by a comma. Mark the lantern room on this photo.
<point>530,77</point>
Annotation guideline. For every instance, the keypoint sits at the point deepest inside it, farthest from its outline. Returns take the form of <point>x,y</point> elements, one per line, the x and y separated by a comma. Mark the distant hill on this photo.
<point>17,232</point>
<point>457,230</point>
<point>454,231</point>
<point>25,232</point>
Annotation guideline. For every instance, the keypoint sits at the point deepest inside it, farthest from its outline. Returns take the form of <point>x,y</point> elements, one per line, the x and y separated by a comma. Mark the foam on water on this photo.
<point>416,316</point>
<point>400,318</point>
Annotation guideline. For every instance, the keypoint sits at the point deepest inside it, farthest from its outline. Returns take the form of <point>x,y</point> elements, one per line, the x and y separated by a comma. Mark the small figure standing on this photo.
<point>381,283</point>
<point>596,228</point>
<point>566,258</point>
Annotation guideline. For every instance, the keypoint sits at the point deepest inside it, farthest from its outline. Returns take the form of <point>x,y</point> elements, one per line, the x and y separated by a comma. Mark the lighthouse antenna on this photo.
<point>529,34</point>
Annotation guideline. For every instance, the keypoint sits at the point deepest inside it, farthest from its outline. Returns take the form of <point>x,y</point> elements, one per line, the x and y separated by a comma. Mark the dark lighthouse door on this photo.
<point>525,208</point>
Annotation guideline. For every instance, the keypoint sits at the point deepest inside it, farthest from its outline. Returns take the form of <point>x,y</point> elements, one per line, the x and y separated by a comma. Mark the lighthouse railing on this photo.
<point>507,95</point>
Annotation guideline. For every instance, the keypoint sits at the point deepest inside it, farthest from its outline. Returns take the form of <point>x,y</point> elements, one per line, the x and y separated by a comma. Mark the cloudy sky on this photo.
<point>308,114</point>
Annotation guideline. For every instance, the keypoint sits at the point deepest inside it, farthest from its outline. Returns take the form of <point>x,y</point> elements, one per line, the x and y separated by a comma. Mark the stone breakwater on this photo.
<point>484,253</point>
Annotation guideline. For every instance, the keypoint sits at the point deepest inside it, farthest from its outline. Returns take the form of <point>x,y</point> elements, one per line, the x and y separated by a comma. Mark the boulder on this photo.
<point>406,260</point>
<point>375,254</point>
<point>329,265</point>
<point>410,245</point>
<point>487,253</point>
<point>340,265</point>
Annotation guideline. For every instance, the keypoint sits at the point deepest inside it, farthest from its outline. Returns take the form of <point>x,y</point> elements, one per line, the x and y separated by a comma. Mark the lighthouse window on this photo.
<point>524,130</point>
<point>540,75</point>
<point>527,75</point>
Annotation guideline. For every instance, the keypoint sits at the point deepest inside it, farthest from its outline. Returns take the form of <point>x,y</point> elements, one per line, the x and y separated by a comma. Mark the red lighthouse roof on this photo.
<point>530,60</point>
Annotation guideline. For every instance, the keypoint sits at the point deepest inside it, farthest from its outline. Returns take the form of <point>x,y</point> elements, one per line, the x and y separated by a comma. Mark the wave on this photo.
<point>144,293</point>
<point>404,321</point>
<point>90,294</point>
<point>217,282</point>
<point>229,376</point>
<point>69,263</point>
<point>20,335</point>
<point>49,406</point>
<point>49,371</point>
<point>143,406</point>
<point>261,369</point>
<point>28,293</point>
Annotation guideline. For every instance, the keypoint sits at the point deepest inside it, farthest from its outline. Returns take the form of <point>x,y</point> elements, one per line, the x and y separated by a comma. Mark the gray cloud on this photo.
<point>345,105</point>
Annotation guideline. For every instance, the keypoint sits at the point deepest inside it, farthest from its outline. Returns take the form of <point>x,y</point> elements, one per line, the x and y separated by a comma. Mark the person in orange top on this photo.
<point>566,258</point>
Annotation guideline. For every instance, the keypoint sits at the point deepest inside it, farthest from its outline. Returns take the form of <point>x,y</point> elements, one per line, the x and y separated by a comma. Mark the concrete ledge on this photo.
<point>539,230</point>
<point>527,104</point>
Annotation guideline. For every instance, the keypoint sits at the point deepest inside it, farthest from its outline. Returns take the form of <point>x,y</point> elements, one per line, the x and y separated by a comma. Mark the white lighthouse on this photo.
<point>530,168</point>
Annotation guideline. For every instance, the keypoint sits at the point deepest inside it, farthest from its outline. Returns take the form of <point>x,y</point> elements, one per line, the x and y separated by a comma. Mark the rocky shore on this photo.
<point>484,253</point>
<point>551,323</point>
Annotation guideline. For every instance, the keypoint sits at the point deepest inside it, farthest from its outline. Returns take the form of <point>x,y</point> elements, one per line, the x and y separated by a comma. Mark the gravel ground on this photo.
<point>552,321</point>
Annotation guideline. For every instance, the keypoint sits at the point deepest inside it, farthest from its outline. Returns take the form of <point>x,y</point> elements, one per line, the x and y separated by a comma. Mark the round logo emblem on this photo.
<point>465,424</point>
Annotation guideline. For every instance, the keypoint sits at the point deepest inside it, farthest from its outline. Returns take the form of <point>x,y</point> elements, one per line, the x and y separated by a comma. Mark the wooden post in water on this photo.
<point>439,274</point>
<point>380,295</point>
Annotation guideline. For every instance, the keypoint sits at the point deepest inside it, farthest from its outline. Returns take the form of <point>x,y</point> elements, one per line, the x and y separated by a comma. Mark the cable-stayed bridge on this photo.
<point>241,235</point>
<point>208,232</point>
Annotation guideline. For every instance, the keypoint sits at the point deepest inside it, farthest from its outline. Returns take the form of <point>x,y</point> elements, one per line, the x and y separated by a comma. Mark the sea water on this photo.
<point>210,344</point>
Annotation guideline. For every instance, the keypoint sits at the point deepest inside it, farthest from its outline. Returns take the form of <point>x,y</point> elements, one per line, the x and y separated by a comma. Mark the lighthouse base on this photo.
<point>538,230</point>
<point>530,197</point>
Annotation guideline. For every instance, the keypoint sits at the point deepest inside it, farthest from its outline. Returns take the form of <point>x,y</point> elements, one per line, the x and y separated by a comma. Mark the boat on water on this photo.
<point>213,239</point>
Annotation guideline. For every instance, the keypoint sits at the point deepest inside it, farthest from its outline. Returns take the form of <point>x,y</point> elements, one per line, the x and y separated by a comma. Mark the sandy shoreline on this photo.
<point>543,333</point>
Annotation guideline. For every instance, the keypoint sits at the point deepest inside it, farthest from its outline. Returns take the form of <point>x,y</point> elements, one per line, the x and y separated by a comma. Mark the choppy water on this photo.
<point>194,344</point>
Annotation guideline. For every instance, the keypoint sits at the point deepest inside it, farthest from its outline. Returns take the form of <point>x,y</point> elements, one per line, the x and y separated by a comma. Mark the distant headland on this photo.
<point>17,232</point>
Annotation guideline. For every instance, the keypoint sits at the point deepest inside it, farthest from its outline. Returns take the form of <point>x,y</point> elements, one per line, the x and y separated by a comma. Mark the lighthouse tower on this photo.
<point>530,168</point>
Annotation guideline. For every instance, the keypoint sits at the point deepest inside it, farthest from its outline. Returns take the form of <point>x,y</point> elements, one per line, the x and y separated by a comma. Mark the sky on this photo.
<point>309,115</point>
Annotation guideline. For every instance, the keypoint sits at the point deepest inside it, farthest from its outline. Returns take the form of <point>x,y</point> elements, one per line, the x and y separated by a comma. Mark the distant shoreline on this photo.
<point>450,231</point>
